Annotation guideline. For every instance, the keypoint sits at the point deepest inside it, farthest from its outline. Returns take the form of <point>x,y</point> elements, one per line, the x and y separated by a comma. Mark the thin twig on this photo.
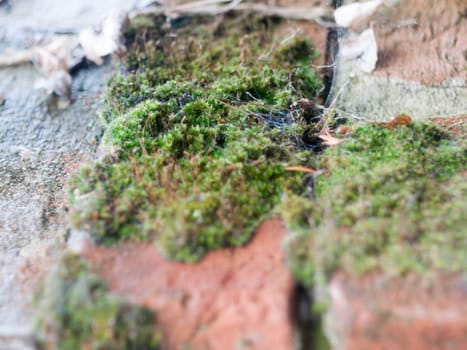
<point>323,66</point>
<point>207,7</point>
<point>291,36</point>
<point>195,4</point>
<point>455,125</point>
<point>217,7</point>
<point>302,13</point>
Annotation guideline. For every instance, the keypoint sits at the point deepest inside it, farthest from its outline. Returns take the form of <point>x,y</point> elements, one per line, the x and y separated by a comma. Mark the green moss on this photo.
<point>204,131</point>
<point>204,135</point>
<point>75,311</point>
<point>390,199</point>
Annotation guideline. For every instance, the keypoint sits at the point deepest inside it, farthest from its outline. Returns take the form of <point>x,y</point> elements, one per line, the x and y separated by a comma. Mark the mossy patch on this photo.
<point>392,200</point>
<point>75,311</point>
<point>205,127</point>
<point>204,132</point>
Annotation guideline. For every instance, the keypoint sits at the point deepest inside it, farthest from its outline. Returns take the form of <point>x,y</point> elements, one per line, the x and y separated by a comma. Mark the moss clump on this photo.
<point>75,311</point>
<point>204,132</point>
<point>391,199</point>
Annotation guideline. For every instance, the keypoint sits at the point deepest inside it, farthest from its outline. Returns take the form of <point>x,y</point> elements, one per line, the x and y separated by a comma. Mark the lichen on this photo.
<point>204,132</point>
<point>75,311</point>
<point>392,200</point>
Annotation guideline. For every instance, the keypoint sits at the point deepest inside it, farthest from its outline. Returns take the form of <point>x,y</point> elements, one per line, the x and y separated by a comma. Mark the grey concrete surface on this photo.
<point>40,143</point>
<point>366,97</point>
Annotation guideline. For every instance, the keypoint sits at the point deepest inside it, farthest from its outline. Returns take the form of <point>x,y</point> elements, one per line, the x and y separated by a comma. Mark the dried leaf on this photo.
<point>329,140</point>
<point>346,15</point>
<point>54,59</point>
<point>55,56</point>
<point>400,120</point>
<point>14,57</point>
<point>56,53</point>
<point>105,38</point>
<point>58,82</point>
<point>302,103</point>
<point>344,130</point>
<point>361,49</point>
<point>66,49</point>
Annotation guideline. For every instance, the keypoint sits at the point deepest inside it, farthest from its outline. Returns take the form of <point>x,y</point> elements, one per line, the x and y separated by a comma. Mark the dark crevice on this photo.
<point>336,3</point>
<point>330,66</point>
<point>309,323</point>
<point>310,326</point>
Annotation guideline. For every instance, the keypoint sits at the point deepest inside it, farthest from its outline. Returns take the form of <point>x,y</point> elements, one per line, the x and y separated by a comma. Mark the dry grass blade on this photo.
<point>329,112</point>
<point>301,169</point>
